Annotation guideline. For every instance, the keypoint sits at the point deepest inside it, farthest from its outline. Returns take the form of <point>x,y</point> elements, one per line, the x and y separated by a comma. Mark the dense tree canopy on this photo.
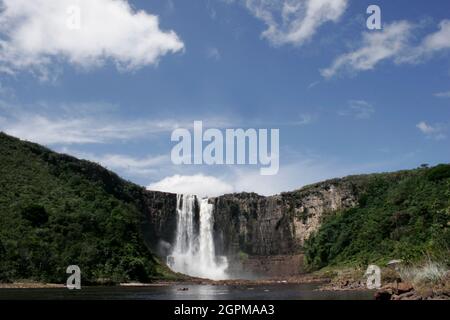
<point>56,211</point>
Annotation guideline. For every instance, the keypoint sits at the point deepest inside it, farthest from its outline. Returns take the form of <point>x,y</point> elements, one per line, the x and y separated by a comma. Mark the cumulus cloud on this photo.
<point>376,47</point>
<point>294,21</point>
<point>359,109</point>
<point>198,184</point>
<point>37,34</point>
<point>436,131</point>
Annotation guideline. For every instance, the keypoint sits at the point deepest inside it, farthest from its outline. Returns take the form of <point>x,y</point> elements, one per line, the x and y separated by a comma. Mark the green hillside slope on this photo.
<point>401,215</point>
<point>56,210</point>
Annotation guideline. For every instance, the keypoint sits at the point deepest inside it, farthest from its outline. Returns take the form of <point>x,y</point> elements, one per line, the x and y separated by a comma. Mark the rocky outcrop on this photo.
<point>405,291</point>
<point>252,224</point>
<point>274,266</point>
<point>280,224</point>
<point>159,220</point>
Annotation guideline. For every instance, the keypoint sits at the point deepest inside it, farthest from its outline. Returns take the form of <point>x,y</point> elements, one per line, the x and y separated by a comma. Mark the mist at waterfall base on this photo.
<point>193,252</point>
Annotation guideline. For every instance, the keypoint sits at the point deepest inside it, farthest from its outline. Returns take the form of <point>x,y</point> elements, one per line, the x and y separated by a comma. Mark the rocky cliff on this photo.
<point>250,224</point>
<point>159,220</point>
<point>255,231</point>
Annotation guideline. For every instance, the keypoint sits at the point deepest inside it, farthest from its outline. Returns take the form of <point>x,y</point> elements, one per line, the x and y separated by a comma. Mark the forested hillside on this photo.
<point>56,210</point>
<point>401,215</point>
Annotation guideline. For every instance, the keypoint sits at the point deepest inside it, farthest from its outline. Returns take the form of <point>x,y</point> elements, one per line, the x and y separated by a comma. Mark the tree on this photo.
<point>36,214</point>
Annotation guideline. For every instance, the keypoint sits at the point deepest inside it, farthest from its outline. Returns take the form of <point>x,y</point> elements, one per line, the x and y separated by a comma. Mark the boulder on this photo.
<point>404,287</point>
<point>383,295</point>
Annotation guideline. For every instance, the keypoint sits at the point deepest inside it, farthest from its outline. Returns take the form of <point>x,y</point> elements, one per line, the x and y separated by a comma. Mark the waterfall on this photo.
<point>193,252</point>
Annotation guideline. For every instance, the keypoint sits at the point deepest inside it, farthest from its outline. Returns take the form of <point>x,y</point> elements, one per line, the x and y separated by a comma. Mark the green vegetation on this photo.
<point>403,215</point>
<point>56,211</point>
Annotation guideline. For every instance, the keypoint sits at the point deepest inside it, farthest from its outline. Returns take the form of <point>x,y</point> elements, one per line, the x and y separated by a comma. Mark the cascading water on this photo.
<point>193,252</point>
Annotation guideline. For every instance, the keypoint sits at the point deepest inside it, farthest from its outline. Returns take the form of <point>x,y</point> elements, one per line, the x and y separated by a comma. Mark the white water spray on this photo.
<point>193,252</point>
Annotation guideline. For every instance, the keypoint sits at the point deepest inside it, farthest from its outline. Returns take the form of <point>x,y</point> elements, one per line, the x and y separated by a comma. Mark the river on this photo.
<point>187,292</point>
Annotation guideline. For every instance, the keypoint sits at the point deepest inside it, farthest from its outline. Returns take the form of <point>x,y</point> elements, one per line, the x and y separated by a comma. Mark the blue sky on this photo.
<point>346,99</point>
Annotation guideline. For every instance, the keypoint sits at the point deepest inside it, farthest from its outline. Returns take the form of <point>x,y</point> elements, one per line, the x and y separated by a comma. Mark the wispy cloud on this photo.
<point>37,36</point>
<point>430,45</point>
<point>435,131</point>
<point>304,119</point>
<point>63,124</point>
<point>393,43</point>
<point>50,130</point>
<point>444,94</point>
<point>359,109</point>
<point>125,164</point>
<point>213,53</point>
<point>376,47</point>
<point>313,84</point>
<point>294,21</point>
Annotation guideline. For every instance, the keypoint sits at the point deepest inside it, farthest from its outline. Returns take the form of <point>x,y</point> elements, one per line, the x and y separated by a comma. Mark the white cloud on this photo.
<point>436,131</point>
<point>444,94</point>
<point>75,124</point>
<point>124,161</point>
<point>313,84</point>
<point>125,164</point>
<point>439,40</point>
<point>376,47</point>
<point>394,43</point>
<point>294,21</point>
<point>425,128</point>
<point>37,34</point>
<point>198,184</point>
<point>50,130</point>
<point>358,109</point>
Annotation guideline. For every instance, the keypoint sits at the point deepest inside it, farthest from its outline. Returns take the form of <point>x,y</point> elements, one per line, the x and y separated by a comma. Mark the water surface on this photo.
<point>193,292</point>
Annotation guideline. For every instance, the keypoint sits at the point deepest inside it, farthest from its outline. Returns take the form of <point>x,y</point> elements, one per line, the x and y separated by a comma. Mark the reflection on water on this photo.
<point>193,292</point>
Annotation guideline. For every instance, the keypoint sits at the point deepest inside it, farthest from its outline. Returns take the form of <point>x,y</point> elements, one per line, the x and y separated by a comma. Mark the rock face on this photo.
<point>247,224</point>
<point>272,266</point>
<point>256,233</point>
<point>159,220</point>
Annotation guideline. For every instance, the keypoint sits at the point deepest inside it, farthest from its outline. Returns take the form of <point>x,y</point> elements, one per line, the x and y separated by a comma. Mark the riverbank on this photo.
<point>429,281</point>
